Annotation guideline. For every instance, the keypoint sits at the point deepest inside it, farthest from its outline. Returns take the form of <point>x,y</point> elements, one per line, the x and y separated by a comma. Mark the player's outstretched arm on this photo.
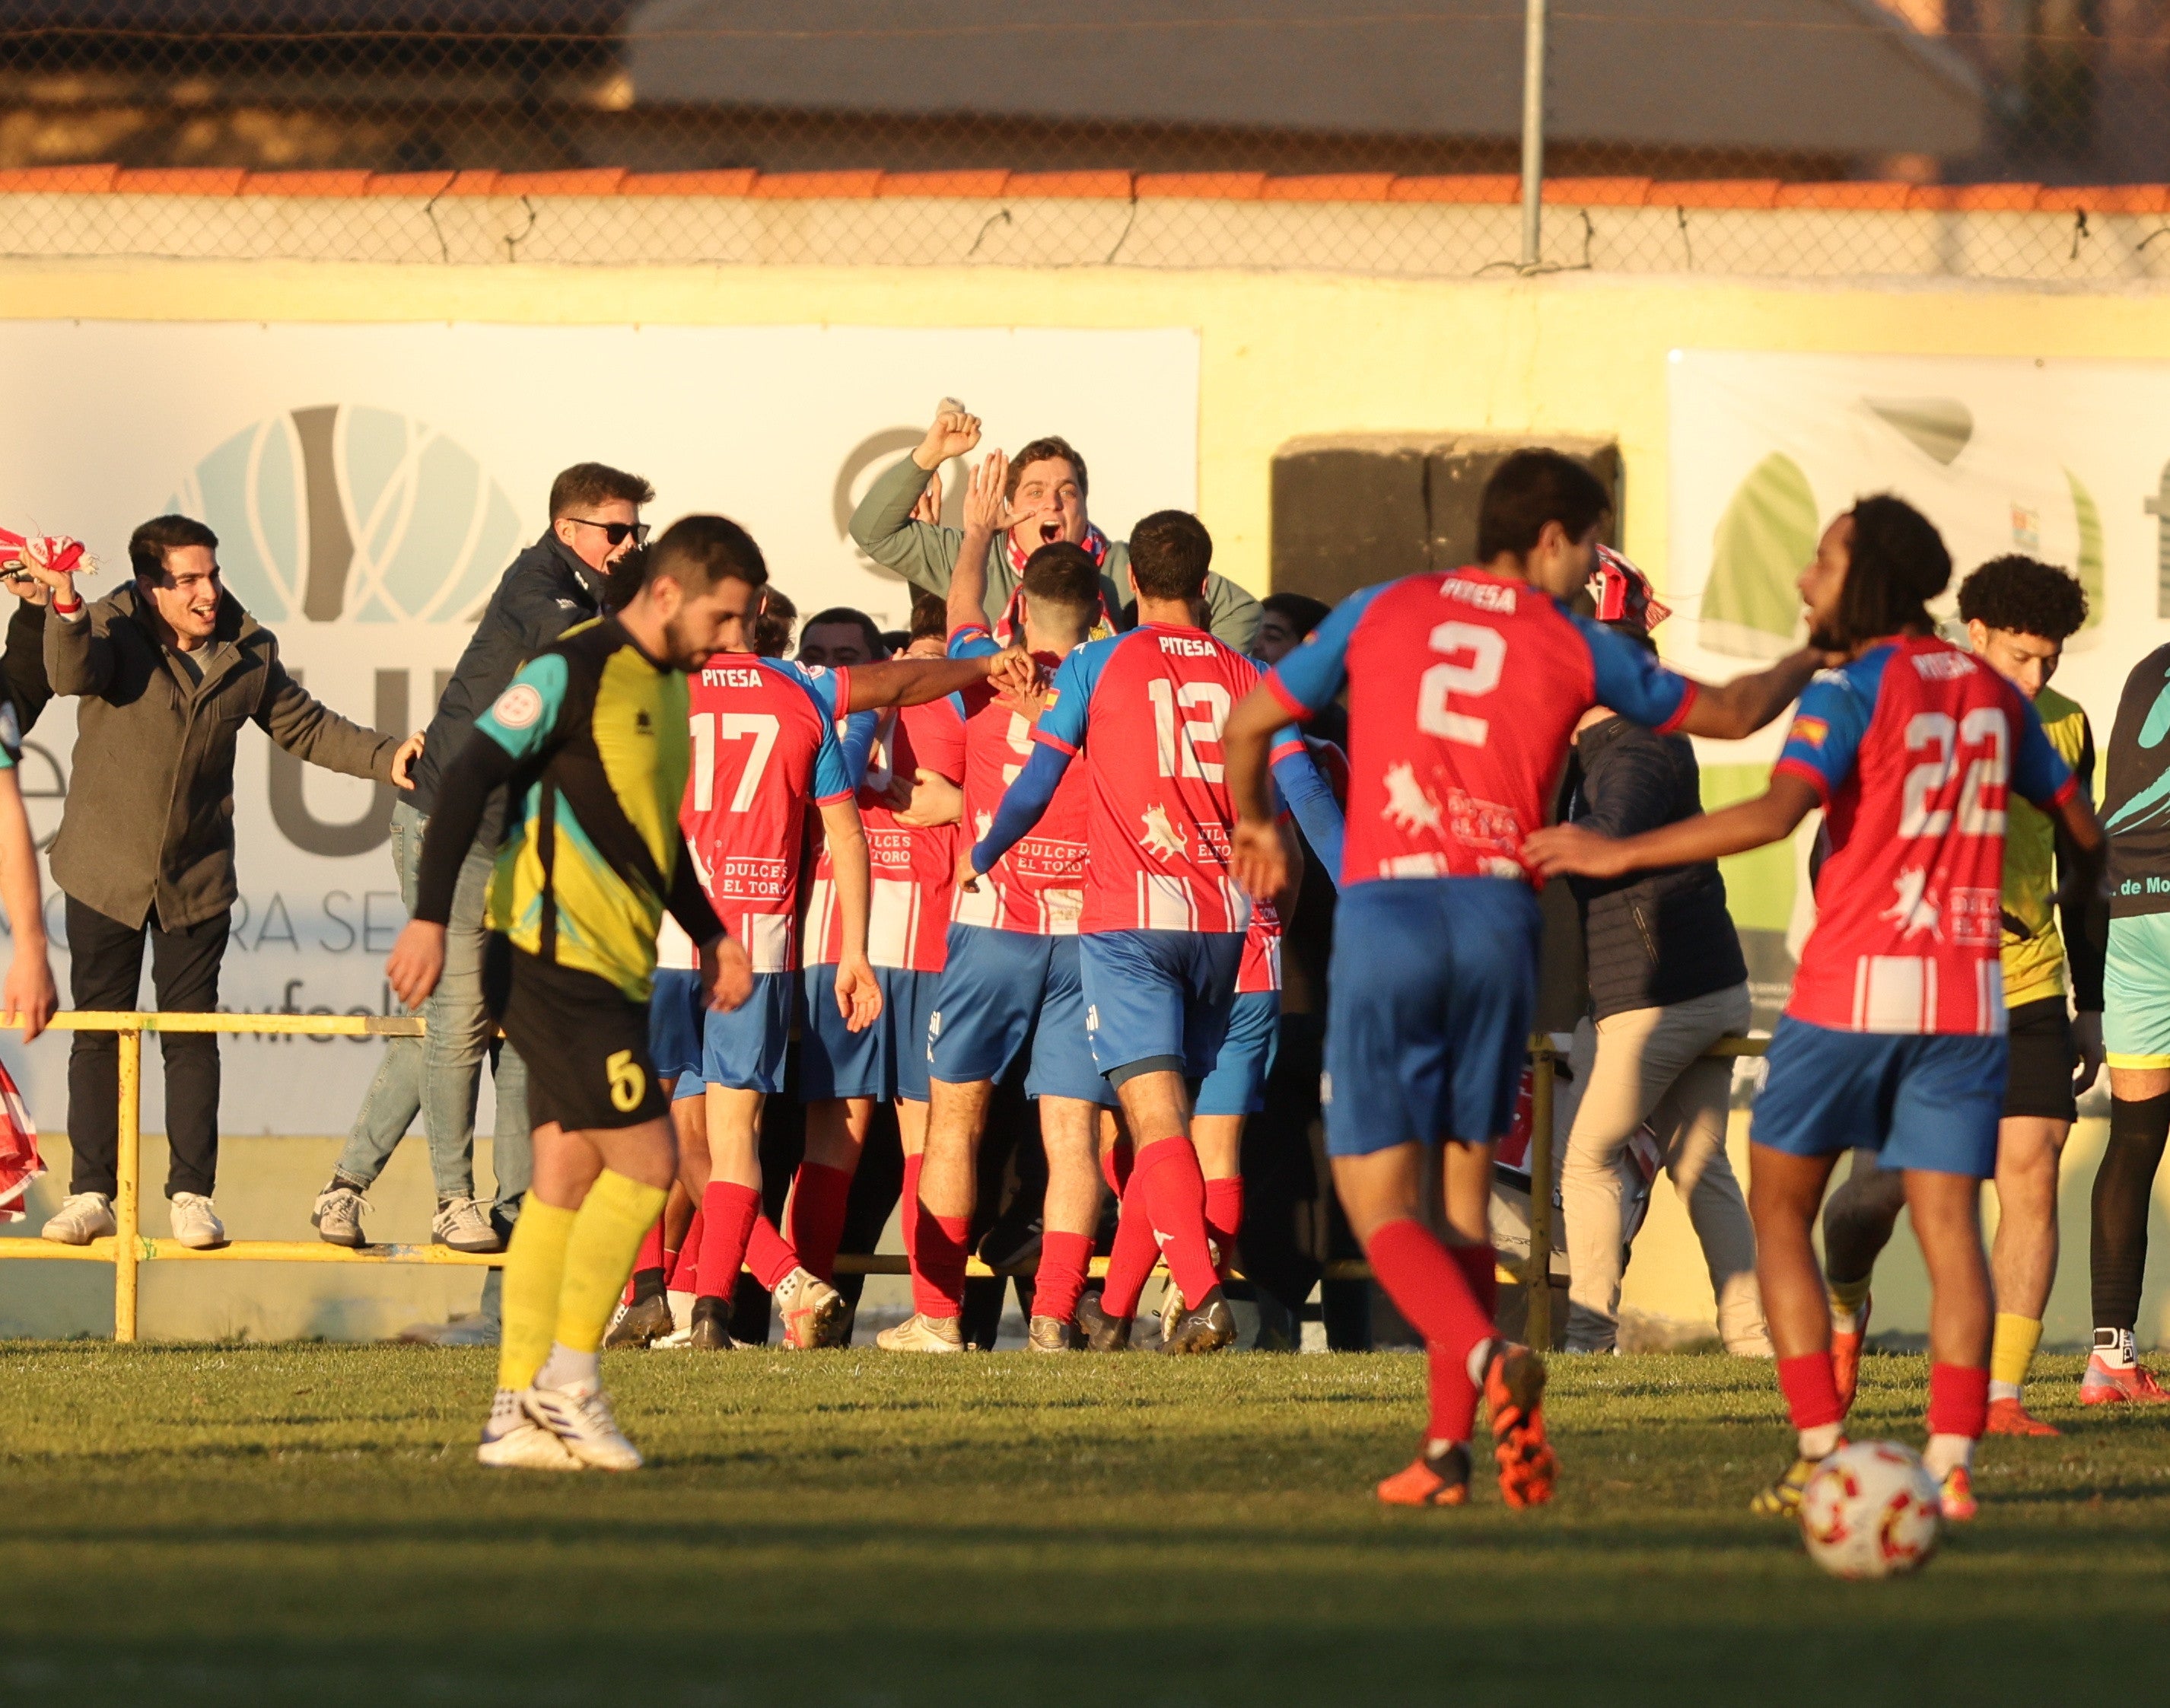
<point>1743,706</point>
<point>914,682</point>
<point>29,995</point>
<point>1772,817</point>
<point>858,996</point>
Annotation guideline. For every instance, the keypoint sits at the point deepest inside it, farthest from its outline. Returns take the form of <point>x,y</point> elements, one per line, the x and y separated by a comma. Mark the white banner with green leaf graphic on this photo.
<point>2064,460</point>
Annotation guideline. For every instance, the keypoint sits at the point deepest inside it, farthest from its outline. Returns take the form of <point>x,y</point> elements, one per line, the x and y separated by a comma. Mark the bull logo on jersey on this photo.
<point>1915,910</point>
<point>1409,803</point>
<point>1161,840</point>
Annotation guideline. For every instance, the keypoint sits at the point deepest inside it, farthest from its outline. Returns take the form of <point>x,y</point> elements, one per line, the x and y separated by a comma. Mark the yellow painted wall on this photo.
<point>1283,354</point>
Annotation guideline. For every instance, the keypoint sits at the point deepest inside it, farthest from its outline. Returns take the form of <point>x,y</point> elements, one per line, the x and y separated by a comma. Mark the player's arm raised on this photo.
<point>914,682</point>
<point>858,996</point>
<point>986,514</point>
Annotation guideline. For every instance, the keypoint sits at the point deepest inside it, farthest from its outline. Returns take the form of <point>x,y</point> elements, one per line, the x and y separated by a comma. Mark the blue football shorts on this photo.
<point>1004,993</point>
<point>1432,984</point>
<point>1237,1083</point>
<point>1159,1001</point>
<point>744,1050</point>
<point>886,1061</point>
<point>676,1006</point>
<point>2136,992</point>
<point>1929,1101</point>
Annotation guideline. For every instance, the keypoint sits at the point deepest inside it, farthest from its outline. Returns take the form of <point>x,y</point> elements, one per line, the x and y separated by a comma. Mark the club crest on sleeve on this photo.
<point>518,707</point>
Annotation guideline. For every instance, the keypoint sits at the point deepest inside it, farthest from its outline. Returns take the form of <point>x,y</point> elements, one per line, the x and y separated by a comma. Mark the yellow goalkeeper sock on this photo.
<point>2011,1351</point>
<point>607,1237</point>
<point>534,1277</point>
<point>1846,1298</point>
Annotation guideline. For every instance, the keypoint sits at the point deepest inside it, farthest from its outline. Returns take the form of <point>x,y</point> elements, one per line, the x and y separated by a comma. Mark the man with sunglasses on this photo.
<point>558,582</point>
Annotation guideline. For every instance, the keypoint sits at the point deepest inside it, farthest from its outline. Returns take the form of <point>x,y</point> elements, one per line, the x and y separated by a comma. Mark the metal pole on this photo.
<point>1538,1275</point>
<point>128,1194</point>
<point>1533,131</point>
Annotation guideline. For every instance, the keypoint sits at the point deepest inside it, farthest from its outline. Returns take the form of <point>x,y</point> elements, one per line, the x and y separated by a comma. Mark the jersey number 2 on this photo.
<point>1486,650</point>
<point>759,727</point>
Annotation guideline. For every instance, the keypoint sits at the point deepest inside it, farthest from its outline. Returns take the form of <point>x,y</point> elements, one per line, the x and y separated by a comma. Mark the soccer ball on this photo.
<point>1871,1511</point>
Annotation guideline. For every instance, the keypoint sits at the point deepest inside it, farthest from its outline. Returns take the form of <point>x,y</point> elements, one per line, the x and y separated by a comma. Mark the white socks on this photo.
<point>1822,1441</point>
<point>2116,1347</point>
<point>567,1369</point>
<point>1948,1453</point>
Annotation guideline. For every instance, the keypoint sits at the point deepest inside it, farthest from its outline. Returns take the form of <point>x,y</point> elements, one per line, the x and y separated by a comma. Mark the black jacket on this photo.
<point>544,593</point>
<point>1657,937</point>
<point>23,664</point>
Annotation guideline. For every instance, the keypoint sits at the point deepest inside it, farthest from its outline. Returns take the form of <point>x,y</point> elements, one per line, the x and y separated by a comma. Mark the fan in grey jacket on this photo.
<point>1666,982</point>
<point>1045,496</point>
<point>166,669</point>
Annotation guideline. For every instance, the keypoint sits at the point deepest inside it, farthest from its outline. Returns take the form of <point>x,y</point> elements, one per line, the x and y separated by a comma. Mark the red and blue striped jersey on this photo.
<point>1915,748</point>
<point>1464,690</point>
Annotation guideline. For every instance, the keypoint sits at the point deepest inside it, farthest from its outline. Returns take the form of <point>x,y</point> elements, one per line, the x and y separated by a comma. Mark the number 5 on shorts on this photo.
<point>626,1081</point>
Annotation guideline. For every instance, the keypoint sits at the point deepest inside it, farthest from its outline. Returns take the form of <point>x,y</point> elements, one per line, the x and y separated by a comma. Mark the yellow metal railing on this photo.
<point>128,1250</point>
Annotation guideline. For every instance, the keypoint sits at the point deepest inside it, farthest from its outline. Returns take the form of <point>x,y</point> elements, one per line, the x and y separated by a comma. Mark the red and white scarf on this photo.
<point>1095,546</point>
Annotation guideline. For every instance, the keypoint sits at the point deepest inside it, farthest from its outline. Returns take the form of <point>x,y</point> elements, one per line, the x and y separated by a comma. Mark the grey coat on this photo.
<point>148,826</point>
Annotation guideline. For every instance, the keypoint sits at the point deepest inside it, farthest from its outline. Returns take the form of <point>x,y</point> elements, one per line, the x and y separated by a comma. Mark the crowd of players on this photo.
<point>1058,836</point>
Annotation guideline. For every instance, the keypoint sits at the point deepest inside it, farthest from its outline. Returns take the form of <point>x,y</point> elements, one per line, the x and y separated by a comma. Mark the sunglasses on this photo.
<point>617,532</point>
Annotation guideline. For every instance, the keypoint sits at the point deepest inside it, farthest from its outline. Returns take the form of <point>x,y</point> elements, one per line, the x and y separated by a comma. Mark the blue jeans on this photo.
<point>439,1077</point>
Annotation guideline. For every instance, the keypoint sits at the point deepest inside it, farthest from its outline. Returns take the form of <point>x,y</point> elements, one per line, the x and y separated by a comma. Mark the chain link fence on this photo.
<point>2017,139</point>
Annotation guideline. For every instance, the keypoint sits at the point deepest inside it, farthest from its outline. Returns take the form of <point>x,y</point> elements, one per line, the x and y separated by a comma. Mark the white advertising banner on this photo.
<point>2064,460</point>
<point>2068,462</point>
<point>370,483</point>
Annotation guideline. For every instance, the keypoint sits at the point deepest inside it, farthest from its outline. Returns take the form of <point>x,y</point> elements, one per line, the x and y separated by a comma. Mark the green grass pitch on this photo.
<point>305,1523</point>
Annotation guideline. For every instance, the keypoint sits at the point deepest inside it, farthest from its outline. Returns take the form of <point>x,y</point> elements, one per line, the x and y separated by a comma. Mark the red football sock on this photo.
<point>937,1267</point>
<point>648,1261</point>
<point>730,1211</point>
<point>1175,1193</point>
<point>686,1273</point>
<point>818,1194</point>
<point>1427,1285</point>
<point>1131,1260</point>
<point>1454,1396</point>
<point>768,1255</point>
<point>1061,1275</point>
<point>1224,1214</point>
<point>1811,1390</point>
<point>1959,1400</point>
<point>1115,1164</point>
<point>911,1203</point>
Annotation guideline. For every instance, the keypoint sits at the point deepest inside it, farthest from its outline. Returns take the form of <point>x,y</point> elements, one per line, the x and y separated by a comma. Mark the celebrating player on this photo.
<point>589,737</point>
<point>1896,1028</point>
<point>1164,920</point>
<point>2018,614</point>
<point>1464,690</point>
<point>745,807</point>
<point>1011,983</point>
<point>909,801</point>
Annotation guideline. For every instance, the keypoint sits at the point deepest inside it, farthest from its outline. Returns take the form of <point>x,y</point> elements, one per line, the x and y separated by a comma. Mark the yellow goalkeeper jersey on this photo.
<point>2033,950</point>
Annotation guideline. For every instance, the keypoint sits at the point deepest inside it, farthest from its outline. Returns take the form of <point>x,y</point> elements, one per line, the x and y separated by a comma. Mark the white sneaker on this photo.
<point>337,1217</point>
<point>512,1441</point>
<point>195,1223</point>
<point>581,1418</point>
<point>464,1224</point>
<point>923,1334</point>
<point>83,1217</point>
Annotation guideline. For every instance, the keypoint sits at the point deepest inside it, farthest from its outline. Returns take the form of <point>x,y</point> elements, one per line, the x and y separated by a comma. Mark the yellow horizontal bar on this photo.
<point>315,1251</point>
<point>313,1025</point>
